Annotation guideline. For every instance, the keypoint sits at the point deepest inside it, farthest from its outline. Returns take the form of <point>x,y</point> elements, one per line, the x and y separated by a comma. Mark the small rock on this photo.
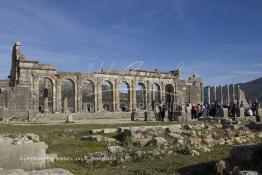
<point>115,149</point>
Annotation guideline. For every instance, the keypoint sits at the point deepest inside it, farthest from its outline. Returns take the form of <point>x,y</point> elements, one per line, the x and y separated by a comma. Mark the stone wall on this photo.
<point>26,73</point>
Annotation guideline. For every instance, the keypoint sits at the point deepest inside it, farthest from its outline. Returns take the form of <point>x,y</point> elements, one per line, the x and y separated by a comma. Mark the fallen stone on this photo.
<point>115,149</point>
<point>98,138</point>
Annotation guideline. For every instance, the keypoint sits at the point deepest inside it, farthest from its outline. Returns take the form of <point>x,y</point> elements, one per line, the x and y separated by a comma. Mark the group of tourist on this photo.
<point>161,110</point>
<point>199,111</point>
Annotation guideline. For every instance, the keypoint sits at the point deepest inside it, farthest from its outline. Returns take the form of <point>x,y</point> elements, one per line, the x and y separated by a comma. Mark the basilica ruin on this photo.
<point>38,91</point>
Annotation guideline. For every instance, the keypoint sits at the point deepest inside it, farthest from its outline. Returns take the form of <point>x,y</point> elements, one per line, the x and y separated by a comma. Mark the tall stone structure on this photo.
<point>225,95</point>
<point>36,89</point>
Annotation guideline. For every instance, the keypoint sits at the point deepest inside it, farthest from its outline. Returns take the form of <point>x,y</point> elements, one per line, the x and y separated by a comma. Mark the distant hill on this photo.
<point>253,90</point>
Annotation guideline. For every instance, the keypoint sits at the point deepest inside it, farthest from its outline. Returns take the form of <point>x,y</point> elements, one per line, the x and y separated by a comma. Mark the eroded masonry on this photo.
<point>37,91</point>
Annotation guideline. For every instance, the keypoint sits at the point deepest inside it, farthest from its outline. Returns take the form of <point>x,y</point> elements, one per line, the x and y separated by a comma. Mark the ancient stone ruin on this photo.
<point>35,91</point>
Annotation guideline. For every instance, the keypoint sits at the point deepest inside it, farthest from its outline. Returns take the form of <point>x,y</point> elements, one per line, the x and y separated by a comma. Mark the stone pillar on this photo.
<point>130,95</point>
<point>232,93</point>
<point>54,101</point>
<point>114,96</point>
<point>163,95</point>
<point>213,94</point>
<point>117,98</point>
<point>46,91</point>
<point>58,96</point>
<point>220,91</point>
<point>76,97</point>
<point>238,93</point>
<point>99,96</point>
<point>133,89</point>
<point>79,95</point>
<point>149,95</point>
<point>207,95</point>
<point>95,97</point>
<point>227,97</point>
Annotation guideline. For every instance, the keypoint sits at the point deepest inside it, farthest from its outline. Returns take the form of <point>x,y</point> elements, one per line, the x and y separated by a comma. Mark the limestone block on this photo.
<point>28,156</point>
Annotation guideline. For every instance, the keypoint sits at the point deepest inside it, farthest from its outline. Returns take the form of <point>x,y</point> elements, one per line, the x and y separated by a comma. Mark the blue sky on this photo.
<point>219,40</point>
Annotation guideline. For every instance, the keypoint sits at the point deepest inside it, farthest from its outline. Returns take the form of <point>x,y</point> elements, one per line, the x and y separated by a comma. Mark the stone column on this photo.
<point>133,89</point>
<point>114,96</point>
<point>54,96</point>
<point>99,95</point>
<point>130,96</point>
<point>95,97</point>
<point>214,94</point>
<point>149,95</point>
<point>163,93</point>
<point>207,95</point>
<point>232,93</point>
<point>58,96</point>
<point>79,95</point>
<point>117,98</point>
<point>46,92</point>
<point>220,94</point>
<point>238,93</point>
<point>227,97</point>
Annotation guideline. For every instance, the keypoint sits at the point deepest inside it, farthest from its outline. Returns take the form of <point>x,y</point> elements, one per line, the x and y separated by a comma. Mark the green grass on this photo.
<point>64,140</point>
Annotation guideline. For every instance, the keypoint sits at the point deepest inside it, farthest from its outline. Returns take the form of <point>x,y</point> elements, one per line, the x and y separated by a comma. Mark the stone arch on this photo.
<point>45,94</point>
<point>156,94</point>
<point>88,95</point>
<point>68,95</point>
<point>124,95</point>
<point>107,95</point>
<point>141,95</point>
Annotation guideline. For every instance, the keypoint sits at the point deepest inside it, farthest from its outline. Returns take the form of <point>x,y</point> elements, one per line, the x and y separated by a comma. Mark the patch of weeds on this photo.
<point>186,150</point>
<point>116,158</point>
<point>142,172</point>
<point>169,164</point>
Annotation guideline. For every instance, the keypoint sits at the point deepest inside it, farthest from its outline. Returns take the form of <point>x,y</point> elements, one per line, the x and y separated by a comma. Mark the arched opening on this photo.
<point>124,95</point>
<point>156,95</point>
<point>169,93</point>
<point>45,87</point>
<point>140,96</point>
<point>68,95</point>
<point>88,96</point>
<point>107,95</point>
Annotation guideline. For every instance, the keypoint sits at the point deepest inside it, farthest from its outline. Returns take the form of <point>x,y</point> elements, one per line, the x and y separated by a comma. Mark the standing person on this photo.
<point>193,111</point>
<point>234,111</point>
<point>157,113</point>
<point>163,113</point>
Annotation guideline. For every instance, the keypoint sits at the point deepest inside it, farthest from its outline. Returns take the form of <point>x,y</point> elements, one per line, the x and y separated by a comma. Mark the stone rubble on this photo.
<point>191,139</point>
<point>9,139</point>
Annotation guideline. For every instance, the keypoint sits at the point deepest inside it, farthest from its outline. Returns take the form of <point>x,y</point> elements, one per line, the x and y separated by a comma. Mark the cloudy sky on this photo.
<point>219,40</point>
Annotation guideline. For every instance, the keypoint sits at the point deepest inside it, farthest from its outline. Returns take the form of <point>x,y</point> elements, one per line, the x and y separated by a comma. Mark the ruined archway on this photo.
<point>68,95</point>
<point>45,87</point>
<point>88,96</point>
<point>156,94</point>
<point>124,96</point>
<point>107,95</point>
<point>140,96</point>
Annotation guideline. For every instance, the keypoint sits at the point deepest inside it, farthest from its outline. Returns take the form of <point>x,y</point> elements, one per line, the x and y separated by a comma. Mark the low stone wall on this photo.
<point>97,115</point>
<point>28,156</point>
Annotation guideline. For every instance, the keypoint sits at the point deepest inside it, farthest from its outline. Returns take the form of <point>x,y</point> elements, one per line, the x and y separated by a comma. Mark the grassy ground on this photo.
<point>64,140</point>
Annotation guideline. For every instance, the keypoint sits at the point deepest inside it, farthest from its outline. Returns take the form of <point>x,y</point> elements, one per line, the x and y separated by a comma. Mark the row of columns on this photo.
<point>225,95</point>
<point>97,88</point>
